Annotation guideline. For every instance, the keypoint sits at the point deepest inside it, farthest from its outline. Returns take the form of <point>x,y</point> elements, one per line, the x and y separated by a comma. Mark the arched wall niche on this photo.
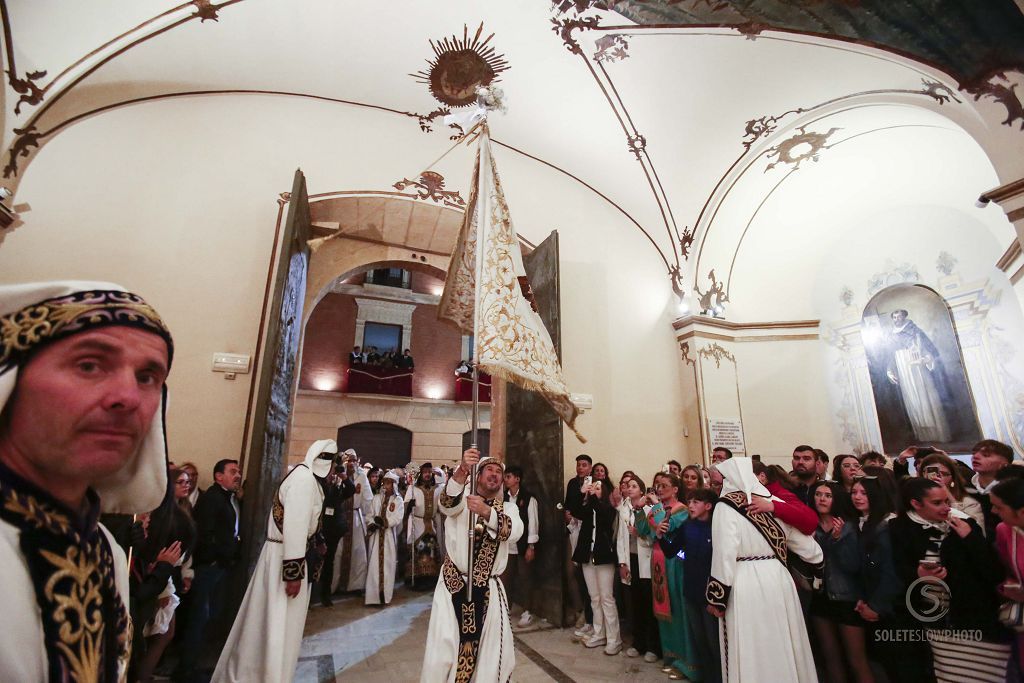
<point>921,390</point>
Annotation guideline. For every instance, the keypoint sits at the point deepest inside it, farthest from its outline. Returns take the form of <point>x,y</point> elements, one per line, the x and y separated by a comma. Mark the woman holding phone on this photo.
<point>951,572</point>
<point>941,469</point>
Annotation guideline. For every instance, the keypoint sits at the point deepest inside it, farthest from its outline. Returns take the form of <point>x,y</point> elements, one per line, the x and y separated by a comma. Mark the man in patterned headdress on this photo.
<point>267,633</point>
<point>82,372</point>
<point>470,638</point>
<point>424,517</point>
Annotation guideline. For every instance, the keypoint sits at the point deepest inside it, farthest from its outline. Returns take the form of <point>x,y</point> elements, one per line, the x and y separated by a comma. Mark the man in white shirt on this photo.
<point>517,577</point>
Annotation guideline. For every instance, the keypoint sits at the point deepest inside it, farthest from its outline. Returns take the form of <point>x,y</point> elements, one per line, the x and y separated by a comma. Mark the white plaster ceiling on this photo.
<point>689,93</point>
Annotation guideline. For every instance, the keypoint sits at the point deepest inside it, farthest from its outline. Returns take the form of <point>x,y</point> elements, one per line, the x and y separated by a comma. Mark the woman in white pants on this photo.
<point>596,553</point>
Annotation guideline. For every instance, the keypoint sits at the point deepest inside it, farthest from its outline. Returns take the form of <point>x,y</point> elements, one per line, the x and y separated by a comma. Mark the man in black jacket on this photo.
<point>573,517</point>
<point>337,490</point>
<point>217,517</point>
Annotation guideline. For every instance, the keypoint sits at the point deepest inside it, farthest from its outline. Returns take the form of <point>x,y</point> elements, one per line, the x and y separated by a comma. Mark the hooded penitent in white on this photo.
<point>266,636</point>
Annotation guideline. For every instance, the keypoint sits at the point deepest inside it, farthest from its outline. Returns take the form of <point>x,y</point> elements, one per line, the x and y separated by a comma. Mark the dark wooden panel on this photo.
<point>277,367</point>
<point>534,442</point>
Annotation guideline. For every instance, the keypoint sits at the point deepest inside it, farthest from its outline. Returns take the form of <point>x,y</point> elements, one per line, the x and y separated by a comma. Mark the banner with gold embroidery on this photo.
<point>487,294</point>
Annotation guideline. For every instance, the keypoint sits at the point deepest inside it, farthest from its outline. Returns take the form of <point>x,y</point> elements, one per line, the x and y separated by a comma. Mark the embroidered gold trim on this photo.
<point>450,501</point>
<point>453,580</point>
<point>52,319</point>
<point>764,522</point>
<point>293,570</point>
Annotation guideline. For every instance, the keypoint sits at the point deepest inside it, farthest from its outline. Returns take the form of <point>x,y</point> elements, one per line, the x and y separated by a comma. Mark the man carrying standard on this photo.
<point>471,639</point>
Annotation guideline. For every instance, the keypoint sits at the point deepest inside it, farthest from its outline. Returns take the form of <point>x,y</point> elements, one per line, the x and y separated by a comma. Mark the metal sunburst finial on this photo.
<point>460,67</point>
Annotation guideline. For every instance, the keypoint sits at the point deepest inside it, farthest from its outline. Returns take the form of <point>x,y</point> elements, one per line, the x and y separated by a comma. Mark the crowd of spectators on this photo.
<point>389,359</point>
<point>922,572</point>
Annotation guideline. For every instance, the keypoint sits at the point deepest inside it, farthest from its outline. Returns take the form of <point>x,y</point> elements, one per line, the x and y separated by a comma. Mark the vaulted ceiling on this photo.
<point>673,114</point>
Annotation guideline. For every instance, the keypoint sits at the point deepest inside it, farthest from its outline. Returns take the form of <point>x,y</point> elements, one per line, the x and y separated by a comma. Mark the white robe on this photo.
<point>496,658</point>
<point>357,536</point>
<point>382,556</point>
<point>265,638</point>
<point>763,634</point>
<point>417,525</point>
<point>22,649</point>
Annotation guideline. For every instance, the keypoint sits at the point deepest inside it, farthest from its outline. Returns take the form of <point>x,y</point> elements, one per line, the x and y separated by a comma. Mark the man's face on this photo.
<point>193,478</point>
<point>426,474</point>
<point>898,317</point>
<point>803,462</point>
<point>986,462</point>
<point>83,405</point>
<point>231,477</point>
<point>717,456</point>
<point>582,468</point>
<point>488,482</point>
<point>674,469</point>
<point>819,467</point>
<point>717,481</point>
<point>511,482</point>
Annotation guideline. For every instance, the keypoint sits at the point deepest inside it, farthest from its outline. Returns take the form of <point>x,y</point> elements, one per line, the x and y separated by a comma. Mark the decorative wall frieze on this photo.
<point>946,263</point>
<point>685,348</point>
<point>431,186</point>
<point>697,327</point>
<point>893,274</point>
<point>717,354</point>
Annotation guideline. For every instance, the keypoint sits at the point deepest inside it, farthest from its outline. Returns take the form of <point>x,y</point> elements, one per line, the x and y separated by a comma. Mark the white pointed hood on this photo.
<point>320,457</point>
<point>738,474</point>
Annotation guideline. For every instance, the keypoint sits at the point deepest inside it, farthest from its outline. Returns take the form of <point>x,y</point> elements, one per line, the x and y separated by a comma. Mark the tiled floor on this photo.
<point>351,642</point>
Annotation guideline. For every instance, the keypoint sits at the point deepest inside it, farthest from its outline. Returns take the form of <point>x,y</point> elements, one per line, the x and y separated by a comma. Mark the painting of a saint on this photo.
<point>920,388</point>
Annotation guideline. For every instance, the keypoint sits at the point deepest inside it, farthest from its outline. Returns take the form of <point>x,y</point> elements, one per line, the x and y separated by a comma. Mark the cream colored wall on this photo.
<point>784,389</point>
<point>178,200</point>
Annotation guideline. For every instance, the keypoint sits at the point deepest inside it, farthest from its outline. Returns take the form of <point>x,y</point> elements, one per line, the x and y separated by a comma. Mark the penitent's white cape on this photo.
<point>496,658</point>
<point>763,635</point>
<point>382,557</point>
<point>267,633</point>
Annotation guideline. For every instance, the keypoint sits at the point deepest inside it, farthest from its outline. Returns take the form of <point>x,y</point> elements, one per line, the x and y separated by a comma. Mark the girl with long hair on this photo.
<point>635,571</point>
<point>941,469</point>
<point>845,470</point>
<point>691,479</point>
<point>597,554</point>
<point>155,580</point>
<point>933,541</point>
<point>834,616</point>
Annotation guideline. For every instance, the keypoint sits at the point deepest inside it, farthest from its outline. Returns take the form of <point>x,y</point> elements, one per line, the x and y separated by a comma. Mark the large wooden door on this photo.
<point>268,438</point>
<point>534,442</point>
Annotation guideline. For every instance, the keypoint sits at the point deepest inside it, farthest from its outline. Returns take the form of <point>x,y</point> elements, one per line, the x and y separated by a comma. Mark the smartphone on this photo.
<point>588,480</point>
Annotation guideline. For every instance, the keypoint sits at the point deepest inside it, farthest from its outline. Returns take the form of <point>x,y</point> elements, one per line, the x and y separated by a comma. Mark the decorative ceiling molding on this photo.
<point>33,93</point>
<point>431,186</point>
<point>714,297</point>
<point>799,148</point>
<point>1000,89</point>
<point>636,142</point>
